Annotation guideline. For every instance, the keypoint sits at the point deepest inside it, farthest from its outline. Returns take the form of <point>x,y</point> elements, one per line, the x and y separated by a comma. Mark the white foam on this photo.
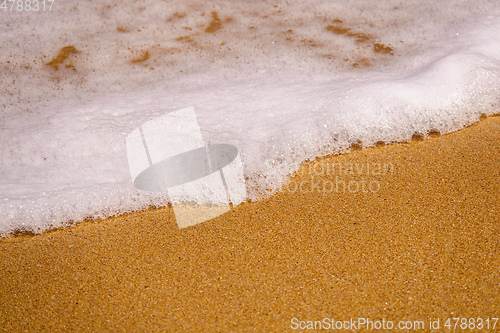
<point>280,101</point>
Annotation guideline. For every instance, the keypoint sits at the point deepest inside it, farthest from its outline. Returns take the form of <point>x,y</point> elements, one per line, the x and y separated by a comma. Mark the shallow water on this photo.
<point>283,82</point>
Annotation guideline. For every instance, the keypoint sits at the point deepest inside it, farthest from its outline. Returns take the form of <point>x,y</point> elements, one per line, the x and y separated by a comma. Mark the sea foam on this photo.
<point>282,83</point>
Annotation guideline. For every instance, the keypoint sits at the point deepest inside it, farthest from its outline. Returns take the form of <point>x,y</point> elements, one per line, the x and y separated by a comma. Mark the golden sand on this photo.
<point>420,241</point>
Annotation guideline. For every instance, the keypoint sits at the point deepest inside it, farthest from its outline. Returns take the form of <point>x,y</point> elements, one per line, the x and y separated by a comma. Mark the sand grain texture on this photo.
<point>424,245</point>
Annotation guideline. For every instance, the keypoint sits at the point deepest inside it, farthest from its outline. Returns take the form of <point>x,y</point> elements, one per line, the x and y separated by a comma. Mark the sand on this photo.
<point>402,232</point>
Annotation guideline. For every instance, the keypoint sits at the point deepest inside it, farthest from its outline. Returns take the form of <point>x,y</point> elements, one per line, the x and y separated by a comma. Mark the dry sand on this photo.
<point>420,240</point>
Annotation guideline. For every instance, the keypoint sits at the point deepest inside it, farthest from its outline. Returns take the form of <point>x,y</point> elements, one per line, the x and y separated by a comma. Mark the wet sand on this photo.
<point>402,232</point>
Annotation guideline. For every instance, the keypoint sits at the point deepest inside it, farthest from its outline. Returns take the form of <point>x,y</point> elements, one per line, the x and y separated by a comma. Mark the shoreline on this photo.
<point>305,165</point>
<point>416,240</point>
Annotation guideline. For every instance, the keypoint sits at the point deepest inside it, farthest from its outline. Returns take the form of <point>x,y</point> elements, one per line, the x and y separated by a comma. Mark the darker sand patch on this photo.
<point>359,37</point>
<point>215,24</point>
<point>434,134</point>
<point>381,48</point>
<point>417,137</point>
<point>363,62</point>
<point>186,38</point>
<point>145,56</point>
<point>62,56</point>
<point>179,15</point>
<point>358,145</point>
<point>339,28</point>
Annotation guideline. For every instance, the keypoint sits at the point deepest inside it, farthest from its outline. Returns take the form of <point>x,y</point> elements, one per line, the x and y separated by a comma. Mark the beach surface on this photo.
<point>405,232</point>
